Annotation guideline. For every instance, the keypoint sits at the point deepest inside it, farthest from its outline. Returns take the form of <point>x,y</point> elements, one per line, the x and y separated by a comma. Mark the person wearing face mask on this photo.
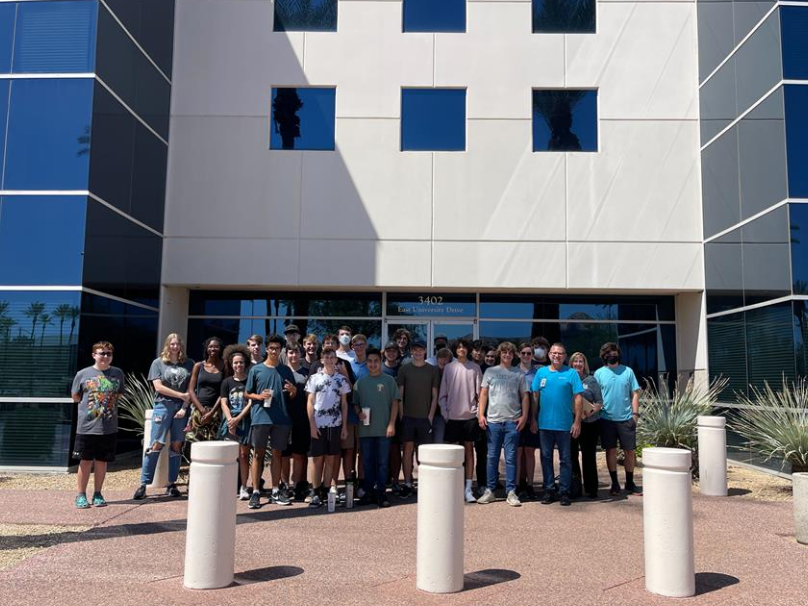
<point>345,352</point>
<point>621,410</point>
<point>541,347</point>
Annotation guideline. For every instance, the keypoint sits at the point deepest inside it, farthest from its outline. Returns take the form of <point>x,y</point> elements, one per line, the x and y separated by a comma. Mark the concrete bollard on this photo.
<point>439,566</point>
<point>800,491</point>
<point>668,522</point>
<point>712,456</point>
<point>210,540</point>
<point>160,480</point>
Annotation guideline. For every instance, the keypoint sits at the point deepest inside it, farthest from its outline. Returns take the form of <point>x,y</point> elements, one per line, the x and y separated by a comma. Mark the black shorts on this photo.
<point>528,439</point>
<point>300,440</point>
<point>274,436</point>
<point>416,430</point>
<point>328,442</point>
<point>623,431</point>
<point>462,431</point>
<point>396,439</point>
<point>90,447</point>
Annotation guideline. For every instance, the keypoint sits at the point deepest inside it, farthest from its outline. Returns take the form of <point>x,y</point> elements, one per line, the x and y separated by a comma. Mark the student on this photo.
<point>458,399</point>
<point>96,390</point>
<point>442,358</point>
<point>344,335</point>
<point>170,375</point>
<point>205,388</point>
<point>440,342</point>
<point>255,343</point>
<point>358,365</point>
<point>528,441</point>
<point>292,334</point>
<point>236,409</point>
<point>301,436</point>
<point>418,383</point>
<point>503,411</point>
<point>270,386</point>
<point>392,359</point>
<point>327,408</point>
<point>379,393</point>
<point>312,353</point>
<point>403,338</point>
<point>390,366</point>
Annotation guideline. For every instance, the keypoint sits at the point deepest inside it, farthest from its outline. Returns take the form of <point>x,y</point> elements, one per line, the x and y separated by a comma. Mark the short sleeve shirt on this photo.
<point>506,386</point>
<point>328,391</point>
<point>174,376</point>
<point>99,390</point>
<point>377,393</point>
<point>233,390</point>
<point>273,411</point>
<point>618,385</point>
<point>418,382</point>
<point>556,392</point>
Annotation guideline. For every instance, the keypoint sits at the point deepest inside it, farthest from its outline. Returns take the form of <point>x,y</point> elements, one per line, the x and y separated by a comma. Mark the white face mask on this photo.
<point>345,340</point>
<point>540,352</point>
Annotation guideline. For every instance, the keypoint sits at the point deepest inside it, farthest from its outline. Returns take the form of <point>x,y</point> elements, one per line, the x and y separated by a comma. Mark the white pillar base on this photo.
<point>712,456</point>
<point>801,506</point>
<point>160,479</point>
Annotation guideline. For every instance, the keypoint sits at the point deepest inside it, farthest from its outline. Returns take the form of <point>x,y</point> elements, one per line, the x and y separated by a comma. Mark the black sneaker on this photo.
<point>549,497</point>
<point>615,490</point>
<point>405,492</point>
<point>395,488</point>
<point>565,499</point>
<point>634,489</point>
<point>383,501</point>
<point>279,497</point>
<point>255,500</point>
<point>530,494</point>
<point>140,493</point>
<point>315,502</point>
<point>173,491</point>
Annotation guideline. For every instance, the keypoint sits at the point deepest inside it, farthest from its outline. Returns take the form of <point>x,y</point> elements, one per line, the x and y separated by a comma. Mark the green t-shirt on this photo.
<point>378,394</point>
<point>418,382</point>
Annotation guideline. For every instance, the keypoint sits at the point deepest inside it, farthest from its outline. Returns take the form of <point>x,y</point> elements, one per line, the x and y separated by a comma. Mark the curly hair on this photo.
<point>233,350</point>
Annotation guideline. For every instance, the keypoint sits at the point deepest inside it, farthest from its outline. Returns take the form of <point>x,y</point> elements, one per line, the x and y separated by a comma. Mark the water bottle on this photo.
<point>349,494</point>
<point>332,499</point>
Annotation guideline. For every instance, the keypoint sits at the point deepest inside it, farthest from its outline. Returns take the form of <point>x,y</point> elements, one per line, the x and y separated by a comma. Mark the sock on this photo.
<point>468,484</point>
<point>629,479</point>
<point>408,484</point>
<point>613,475</point>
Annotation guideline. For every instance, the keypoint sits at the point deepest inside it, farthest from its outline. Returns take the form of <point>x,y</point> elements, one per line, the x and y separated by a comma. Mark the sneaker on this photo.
<point>470,496</point>
<point>615,490</point>
<point>279,497</point>
<point>310,495</point>
<point>99,500</point>
<point>549,497</point>
<point>255,500</point>
<point>383,502</point>
<point>140,493</point>
<point>315,502</point>
<point>173,491</point>
<point>565,499</point>
<point>81,502</point>
<point>530,494</point>
<point>244,494</point>
<point>512,500</point>
<point>395,488</point>
<point>405,492</point>
<point>488,497</point>
<point>633,489</point>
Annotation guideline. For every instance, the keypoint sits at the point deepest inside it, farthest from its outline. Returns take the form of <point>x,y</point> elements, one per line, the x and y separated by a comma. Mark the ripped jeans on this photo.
<point>165,429</point>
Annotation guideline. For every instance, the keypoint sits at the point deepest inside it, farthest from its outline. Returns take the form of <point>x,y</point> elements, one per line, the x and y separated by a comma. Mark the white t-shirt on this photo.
<point>328,391</point>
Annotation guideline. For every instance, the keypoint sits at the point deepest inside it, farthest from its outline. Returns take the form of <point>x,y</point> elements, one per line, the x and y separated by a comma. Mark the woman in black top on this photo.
<point>205,387</point>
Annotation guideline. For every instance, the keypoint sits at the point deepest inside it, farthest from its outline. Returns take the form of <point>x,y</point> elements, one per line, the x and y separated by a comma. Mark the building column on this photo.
<point>173,312</point>
<point>691,337</point>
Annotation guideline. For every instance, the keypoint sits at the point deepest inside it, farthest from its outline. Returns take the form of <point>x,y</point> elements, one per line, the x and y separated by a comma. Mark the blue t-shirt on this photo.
<point>263,377</point>
<point>617,386</point>
<point>556,393</point>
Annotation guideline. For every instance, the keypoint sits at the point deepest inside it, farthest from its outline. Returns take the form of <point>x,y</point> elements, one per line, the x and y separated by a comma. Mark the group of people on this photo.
<point>352,409</point>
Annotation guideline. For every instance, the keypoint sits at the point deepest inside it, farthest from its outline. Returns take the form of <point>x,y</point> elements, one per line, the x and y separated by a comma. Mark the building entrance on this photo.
<point>429,329</point>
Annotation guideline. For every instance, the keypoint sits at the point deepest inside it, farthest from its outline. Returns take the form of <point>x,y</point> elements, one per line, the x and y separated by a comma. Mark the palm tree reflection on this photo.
<point>556,108</point>
<point>284,116</point>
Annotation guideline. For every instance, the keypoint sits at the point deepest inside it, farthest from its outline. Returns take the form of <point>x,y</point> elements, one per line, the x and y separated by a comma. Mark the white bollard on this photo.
<point>668,522</point>
<point>800,492</point>
<point>712,456</point>
<point>210,541</point>
<point>160,479</point>
<point>439,566</point>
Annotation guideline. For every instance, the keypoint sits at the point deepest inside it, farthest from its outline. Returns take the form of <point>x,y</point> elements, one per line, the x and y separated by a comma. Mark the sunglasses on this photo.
<point>525,353</point>
<point>106,354</point>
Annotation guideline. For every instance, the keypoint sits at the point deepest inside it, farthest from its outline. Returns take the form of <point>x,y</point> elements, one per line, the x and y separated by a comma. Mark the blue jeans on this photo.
<point>549,439</point>
<point>375,462</point>
<point>438,428</point>
<point>499,435</point>
<point>165,429</point>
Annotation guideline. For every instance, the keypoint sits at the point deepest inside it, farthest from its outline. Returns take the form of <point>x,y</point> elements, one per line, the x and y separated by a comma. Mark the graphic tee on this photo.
<point>506,386</point>
<point>174,376</point>
<point>328,391</point>
<point>99,390</point>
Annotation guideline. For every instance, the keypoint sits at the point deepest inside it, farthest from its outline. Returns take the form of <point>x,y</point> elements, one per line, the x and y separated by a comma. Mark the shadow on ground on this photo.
<point>713,581</point>
<point>488,577</point>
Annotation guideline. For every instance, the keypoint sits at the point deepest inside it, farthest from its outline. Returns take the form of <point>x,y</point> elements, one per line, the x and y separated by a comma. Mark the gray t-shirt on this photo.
<point>98,408</point>
<point>506,386</point>
<point>173,376</point>
<point>593,394</point>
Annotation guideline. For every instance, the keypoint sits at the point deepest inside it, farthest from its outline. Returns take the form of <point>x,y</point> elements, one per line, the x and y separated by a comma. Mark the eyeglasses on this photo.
<point>525,353</point>
<point>106,354</point>
<point>273,348</point>
<point>558,353</point>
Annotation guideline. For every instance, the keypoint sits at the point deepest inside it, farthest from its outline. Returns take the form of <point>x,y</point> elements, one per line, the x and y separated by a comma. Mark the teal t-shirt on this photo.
<point>556,392</point>
<point>617,385</point>
<point>261,377</point>
<point>378,394</point>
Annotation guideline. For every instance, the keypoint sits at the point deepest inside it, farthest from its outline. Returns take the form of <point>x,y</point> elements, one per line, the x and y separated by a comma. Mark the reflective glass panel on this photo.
<point>36,434</point>
<point>726,341</point>
<point>747,14</point>
<point>149,178</point>
<point>794,24</point>
<point>770,345</point>
<point>8,14</point>
<point>38,337</point>
<point>494,333</point>
<point>432,16</point>
<point>766,257</point>
<point>798,227</point>
<point>718,101</point>
<point>41,239</point>
<point>565,120</point>
<point>285,304</point>
<point>433,305</point>
<point>4,88</point>
<point>796,98</point>
<point>151,22</point>
<point>433,119</point>
<point>758,63</point>
<point>576,307</point>
<point>716,38</point>
<point>559,16</point>
<point>55,37</point>
<point>720,187</point>
<point>801,336</point>
<point>307,16</point>
<point>303,118</point>
<point>723,268</point>
<point>48,144</point>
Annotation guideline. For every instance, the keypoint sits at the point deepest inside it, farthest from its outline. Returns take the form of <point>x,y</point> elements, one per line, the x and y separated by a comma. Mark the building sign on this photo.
<point>429,305</point>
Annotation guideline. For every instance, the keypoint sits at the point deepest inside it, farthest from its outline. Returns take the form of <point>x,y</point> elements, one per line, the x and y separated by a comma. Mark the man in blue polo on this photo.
<point>558,389</point>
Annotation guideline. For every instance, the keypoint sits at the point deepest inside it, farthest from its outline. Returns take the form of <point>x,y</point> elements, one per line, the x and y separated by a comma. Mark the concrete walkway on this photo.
<point>589,553</point>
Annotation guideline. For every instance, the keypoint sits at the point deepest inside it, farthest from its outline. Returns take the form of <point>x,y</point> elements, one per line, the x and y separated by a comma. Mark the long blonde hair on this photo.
<point>165,355</point>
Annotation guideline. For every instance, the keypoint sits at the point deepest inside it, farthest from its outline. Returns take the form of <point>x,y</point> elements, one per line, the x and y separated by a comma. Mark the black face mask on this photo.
<point>612,359</point>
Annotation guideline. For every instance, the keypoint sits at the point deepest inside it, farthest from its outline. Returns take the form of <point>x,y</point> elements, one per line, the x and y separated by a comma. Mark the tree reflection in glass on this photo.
<point>564,120</point>
<point>285,120</point>
<point>305,15</point>
<point>560,16</point>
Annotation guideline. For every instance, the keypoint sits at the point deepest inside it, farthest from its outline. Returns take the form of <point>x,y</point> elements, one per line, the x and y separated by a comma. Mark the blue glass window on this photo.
<point>4,88</point>
<point>798,221</point>
<point>56,37</point>
<point>565,120</point>
<point>794,27</point>
<point>8,14</point>
<point>48,143</point>
<point>797,140</point>
<point>303,118</point>
<point>563,16</point>
<point>151,22</point>
<point>433,119</point>
<point>41,239</point>
<point>305,16</point>
<point>434,16</point>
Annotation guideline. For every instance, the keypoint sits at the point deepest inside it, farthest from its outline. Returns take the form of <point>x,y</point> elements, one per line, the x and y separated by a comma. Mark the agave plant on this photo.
<point>775,423</point>
<point>137,398</point>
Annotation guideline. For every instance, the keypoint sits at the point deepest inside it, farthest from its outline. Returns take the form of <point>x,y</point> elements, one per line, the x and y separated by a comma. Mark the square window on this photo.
<point>305,16</point>
<point>565,120</point>
<point>433,119</point>
<point>563,16</point>
<point>434,16</point>
<point>303,118</point>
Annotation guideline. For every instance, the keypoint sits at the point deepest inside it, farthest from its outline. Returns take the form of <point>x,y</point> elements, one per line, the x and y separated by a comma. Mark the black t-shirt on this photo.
<point>297,405</point>
<point>233,390</point>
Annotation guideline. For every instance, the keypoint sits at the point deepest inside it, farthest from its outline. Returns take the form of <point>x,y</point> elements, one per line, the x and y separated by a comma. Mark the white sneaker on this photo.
<point>243,495</point>
<point>513,499</point>
<point>470,496</point>
<point>487,497</point>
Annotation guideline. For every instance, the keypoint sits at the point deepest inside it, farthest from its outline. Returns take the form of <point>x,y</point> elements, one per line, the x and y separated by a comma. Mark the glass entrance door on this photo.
<point>428,330</point>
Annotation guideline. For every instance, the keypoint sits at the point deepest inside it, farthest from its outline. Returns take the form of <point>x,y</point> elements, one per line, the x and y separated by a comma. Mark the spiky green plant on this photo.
<point>775,423</point>
<point>137,398</point>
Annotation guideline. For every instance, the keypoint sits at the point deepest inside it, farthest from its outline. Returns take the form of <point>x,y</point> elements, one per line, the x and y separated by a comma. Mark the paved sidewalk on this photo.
<point>590,553</point>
